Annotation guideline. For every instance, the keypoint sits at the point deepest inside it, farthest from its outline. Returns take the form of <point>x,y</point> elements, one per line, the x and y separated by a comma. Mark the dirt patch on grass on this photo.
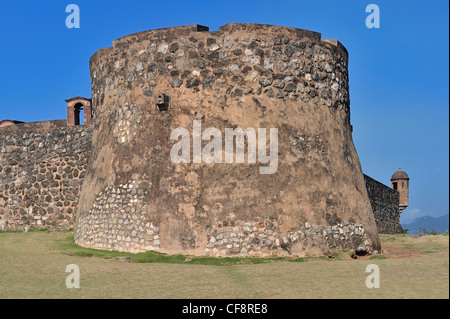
<point>396,251</point>
<point>403,246</point>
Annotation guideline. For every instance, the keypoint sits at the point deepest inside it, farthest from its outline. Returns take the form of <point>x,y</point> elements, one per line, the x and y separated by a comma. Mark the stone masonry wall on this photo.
<point>42,165</point>
<point>135,198</point>
<point>385,205</point>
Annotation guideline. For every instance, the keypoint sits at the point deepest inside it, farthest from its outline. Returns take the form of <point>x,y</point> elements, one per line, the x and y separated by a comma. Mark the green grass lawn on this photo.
<point>33,264</point>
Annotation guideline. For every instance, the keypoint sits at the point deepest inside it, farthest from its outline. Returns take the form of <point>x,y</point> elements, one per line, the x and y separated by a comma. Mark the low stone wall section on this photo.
<point>385,205</point>
<point>42,165</point>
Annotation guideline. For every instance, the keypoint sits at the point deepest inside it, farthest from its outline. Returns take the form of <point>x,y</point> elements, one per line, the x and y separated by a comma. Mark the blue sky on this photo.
<point>399,73</point>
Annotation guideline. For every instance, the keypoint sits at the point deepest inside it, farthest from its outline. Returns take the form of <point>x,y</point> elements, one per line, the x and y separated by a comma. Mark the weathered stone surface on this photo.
<point>39,187</point>
<point>385,205</point>
<point>184,206</point>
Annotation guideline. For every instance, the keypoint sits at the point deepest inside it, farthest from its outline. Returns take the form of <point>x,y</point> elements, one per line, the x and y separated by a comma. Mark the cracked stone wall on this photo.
<point>246,76</point>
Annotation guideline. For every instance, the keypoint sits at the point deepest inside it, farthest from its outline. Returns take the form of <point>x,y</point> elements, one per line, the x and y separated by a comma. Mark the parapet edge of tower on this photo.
<point>185,30</point>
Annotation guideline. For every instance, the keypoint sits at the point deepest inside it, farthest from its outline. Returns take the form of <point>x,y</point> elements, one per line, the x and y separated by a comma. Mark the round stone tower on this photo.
<point>400,182</point>
<point>164,176</point>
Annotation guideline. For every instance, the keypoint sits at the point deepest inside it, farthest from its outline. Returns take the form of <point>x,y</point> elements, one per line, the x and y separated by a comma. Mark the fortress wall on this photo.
<point>385,205</point>
<point>135,198</point>
<point>42,165</point>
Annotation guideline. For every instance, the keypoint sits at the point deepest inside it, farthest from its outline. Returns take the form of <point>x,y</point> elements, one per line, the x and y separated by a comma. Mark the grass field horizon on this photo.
<point>33,266</point>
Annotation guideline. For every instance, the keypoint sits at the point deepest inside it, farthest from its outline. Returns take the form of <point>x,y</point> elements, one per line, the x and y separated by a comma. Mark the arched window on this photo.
<point>78,114</point>
<point>79,111</point>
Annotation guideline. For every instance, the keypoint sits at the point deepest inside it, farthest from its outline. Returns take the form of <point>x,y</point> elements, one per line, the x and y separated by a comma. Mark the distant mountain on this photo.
<point>438,224</point>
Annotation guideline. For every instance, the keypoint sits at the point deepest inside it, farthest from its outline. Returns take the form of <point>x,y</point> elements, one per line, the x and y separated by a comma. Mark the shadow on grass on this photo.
<point>32,230</point>
<point>68,246</point>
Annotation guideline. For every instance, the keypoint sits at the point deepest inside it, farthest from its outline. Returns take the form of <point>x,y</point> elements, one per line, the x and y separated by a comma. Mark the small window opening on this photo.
<point>394,185</point>
<point>162,101</point>
<point>78,114</point>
